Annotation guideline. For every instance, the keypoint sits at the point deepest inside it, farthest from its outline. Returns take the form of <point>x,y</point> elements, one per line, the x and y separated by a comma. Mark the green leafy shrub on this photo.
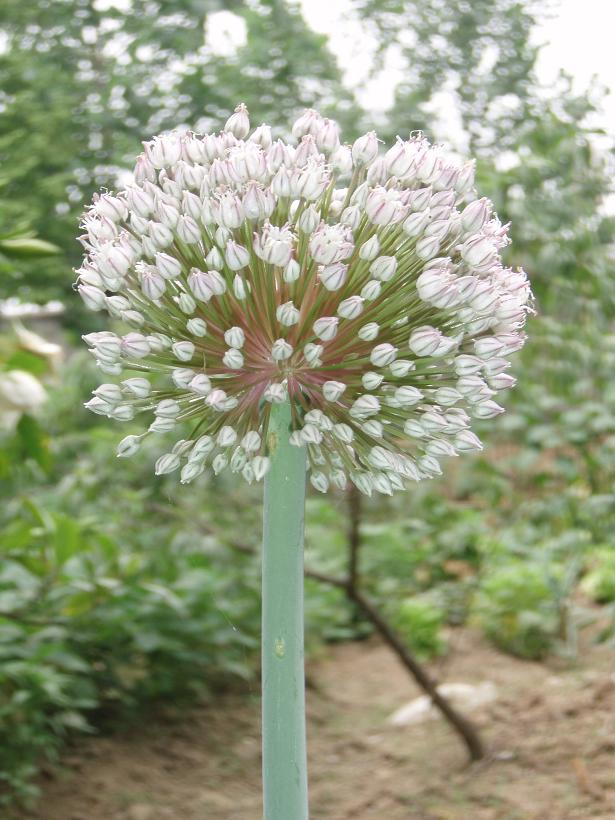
<point>88,622</point>
<point>518,611</point>
<point>419,621</point>
<point>599,583</point>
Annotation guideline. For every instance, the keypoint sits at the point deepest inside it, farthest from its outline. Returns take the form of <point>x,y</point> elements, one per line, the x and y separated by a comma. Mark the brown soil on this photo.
<point>551,735</point>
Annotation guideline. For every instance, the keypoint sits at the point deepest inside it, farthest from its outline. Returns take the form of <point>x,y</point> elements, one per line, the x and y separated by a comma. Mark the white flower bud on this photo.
<point>467,442</point>
<point>262,136</point>
<point>400,158</point>
<point>467,365</point>
<point>310,434</point>
<point>383,354</point>
<point>159,342</point>
<point>365,406</point>
<point>197,327</point>
<point>351,217</point>
<point>260,466</point>
<point>167,214</point>
<point>332,390</point>
<point>427,247</point>
<point>414,428</point>
<point>439,448</point>
<point>123,412</point>
<point>167,464</point>
<point>160,235</point>
<point>281,350</point>
<point>182,376</point>
<point>163,152</point>
<point>199,283</point>
<point>384,207</point>
<point>109,393</point>
<point>381,458</point>
<point>373,428</point>
<point>333,276</point>
<point>226,437</point>
<point>319,481</point>
<point>162,425</point>
<point>365,149</point>
<point>475,215</point>
<point>238,123</point>
<point>94,298</point>
<point>202,448</point>
<point>188,230</point>
<point>168,409</point>
<point>239,288</point>
<point>135,346</point>
<point>350,308</point>
<point>383,268</point>
<point>429,466</point>
<point>479,253</point>
<point>152,283</point>
<point>168,267</point>
<point>237,256</point>
<point>369,331</point>
<point>424,341</point>
<point>182,447</point>
<point>235,337</point>
<point>219,463</point>
<point>326,327</point>
<point>128,446</point>
<point>214,259</point>
<point>486,409</point>
<point>501,381</point>
<point>138,387</point>
<point>287,314</point>
<point>229,210</point>
<point>133,317</point>
<point>371,380</point>
<point>200,384</point>
<point>309,220</point>
<point>313,353</point>
<point>95,405</point>
<point>292,271</point>
<point>488,346</point>
<point>215,399</point>
<point>401,367</point>
<point>343,432</point>
<point>371,290</point>
<point>186,303</point>
<point>416,223</point>
<point>251,442</point>
<point>274,245</point>
<point>190,471</point>
<point>447,396</point>
<point>329,244</point>
<point>408,396</point>
<point>233,359</point>
<point>341,160</point>
<point>184,351</point>
<point>275,393</point>
<point>296,439</point>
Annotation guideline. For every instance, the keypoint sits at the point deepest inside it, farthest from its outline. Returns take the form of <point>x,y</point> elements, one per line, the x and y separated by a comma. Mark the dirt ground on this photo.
<point>551,737</point>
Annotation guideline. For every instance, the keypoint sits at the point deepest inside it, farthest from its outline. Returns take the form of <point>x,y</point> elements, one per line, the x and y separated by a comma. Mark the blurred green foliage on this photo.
<point>118,589</point>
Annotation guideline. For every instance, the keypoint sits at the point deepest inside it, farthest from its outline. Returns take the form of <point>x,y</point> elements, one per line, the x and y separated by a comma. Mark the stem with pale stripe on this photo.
<point>283,680</point>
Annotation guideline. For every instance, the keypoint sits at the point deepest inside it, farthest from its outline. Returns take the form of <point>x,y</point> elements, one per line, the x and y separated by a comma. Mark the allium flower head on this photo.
<point>364,286</point>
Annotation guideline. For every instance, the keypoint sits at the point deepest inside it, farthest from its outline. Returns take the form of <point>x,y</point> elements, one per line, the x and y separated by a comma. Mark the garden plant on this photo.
<point>302,308</point>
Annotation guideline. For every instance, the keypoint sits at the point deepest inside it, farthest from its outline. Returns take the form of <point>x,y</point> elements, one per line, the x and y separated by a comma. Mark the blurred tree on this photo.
<point>84,82</point>
<point>478,51</point>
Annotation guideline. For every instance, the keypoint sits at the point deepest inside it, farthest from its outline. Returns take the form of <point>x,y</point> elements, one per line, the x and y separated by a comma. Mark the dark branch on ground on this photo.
<point>351,586</point>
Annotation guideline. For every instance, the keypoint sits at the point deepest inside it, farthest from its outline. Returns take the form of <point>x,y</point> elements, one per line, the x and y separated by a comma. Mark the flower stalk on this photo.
<point>283,681</point>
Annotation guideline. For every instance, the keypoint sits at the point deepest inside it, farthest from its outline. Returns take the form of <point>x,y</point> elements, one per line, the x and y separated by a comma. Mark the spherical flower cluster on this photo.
<point>365,286</point>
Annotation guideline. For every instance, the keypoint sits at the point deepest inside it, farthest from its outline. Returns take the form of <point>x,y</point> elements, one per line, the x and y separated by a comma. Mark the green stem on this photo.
<point>283,680</point>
